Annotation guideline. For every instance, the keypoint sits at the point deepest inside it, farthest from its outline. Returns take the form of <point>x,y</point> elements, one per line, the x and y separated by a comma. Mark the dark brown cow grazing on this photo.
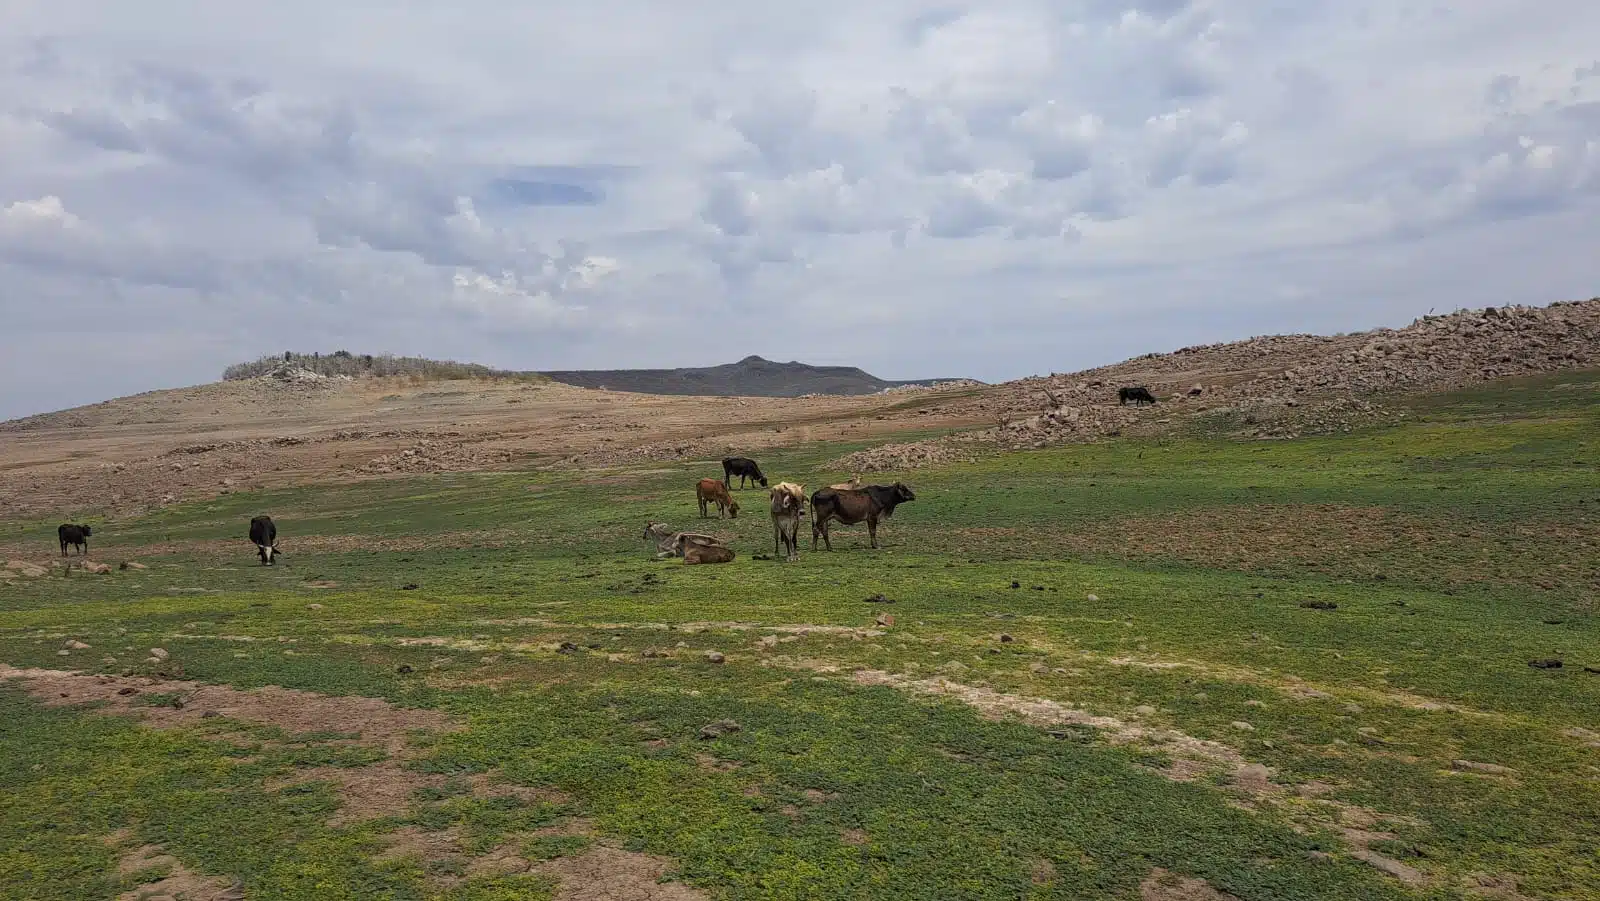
<point>264,535</point>
<point>711,491</point>
<point>868,505</point>
<point>77,536</point>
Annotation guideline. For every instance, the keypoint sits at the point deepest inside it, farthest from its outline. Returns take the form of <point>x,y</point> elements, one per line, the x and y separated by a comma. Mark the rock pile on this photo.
<point>1276,386</point>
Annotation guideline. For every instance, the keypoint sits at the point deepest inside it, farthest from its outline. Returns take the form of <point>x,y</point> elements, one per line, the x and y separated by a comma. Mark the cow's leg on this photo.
<point>63,548</point>
<point>872,532</point>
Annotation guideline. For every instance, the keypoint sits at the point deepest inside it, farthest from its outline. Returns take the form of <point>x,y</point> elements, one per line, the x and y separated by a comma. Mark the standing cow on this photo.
<point>1139,394</point>
<point>264,533</point>
<point>743,467</point>
<point>77,536</point>
<point>788,506</point>
<point>869,505</point>
<point>711,491</point>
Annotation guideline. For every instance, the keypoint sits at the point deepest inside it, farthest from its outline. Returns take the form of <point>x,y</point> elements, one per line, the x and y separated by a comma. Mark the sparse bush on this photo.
<point>345,363</point>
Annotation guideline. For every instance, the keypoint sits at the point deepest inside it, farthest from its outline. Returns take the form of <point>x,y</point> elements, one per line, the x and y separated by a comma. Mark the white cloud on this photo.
<point>1022,186</point>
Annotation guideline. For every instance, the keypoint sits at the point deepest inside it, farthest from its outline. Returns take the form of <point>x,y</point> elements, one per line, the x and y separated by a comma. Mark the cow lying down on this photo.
<point>693,547</point>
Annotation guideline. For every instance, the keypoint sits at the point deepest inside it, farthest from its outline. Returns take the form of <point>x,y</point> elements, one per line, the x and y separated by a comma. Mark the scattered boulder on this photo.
<point>879,599</point>
<point>885,619</point>
<point>1488,769</point>
<point>715,657</point>
<point>98,569</point>
<point>129,564</point>
<point>1545,663</point>
<point>719,729</point>
<point>76,645</point>
<point>159,653</point>
<point>404,669</point>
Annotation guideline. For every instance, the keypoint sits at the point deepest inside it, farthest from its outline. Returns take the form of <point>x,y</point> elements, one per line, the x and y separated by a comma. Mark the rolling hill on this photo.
<point>750,377</point>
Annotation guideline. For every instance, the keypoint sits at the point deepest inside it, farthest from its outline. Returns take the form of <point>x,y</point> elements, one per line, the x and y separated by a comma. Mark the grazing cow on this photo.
<point>706,553</point>
<point>264,533</point>
<point>853,484</point>
<point>711,491</point>
<point>849,507</point>
<point>78,536</point>
<point>672,544</point>
<point>788,506</point>
<point>1139,394</point>
<point>744,468</point>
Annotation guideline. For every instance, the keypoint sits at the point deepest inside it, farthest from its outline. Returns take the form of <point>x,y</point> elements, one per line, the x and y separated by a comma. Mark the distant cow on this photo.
<point>788,506</point>
<point>711,491</point>
<point>744,468</point>
<point>849,507</point>
<point>1139,394</point>
<point>78,536</point>
<point>264,533</point>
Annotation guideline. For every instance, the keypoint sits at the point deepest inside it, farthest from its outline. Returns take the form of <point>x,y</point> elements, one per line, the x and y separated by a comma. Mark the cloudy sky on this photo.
<point>921,188</point>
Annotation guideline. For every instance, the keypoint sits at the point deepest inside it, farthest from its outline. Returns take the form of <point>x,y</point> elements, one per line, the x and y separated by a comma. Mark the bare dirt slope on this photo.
<point>295,428</point>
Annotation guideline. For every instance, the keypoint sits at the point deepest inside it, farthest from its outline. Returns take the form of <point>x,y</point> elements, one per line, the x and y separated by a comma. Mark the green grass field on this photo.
<point>1152,590</point>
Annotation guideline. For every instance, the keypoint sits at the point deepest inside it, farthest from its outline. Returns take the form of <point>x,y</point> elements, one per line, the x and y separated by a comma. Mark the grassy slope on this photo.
<point>1456,547</point>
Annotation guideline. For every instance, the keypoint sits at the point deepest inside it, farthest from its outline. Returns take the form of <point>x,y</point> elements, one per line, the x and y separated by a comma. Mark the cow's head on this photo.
<point>762,480</point>
<point>86,531</point>
<point>902,493</point>
<point>733,509</point>
<point>268,553</point>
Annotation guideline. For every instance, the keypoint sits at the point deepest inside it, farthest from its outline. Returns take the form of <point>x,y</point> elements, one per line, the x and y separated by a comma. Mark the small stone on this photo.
<point>1254,703</point>
<point>1545,663</point>
<point>879,599</point>
<point>210,715</point>
<point>1016,584</point>
<point>1092,598</point>
<point>1319,605</point>
<point>1471,766</point>
<point>885,619</point>
<point>76,645</point>
<point>1038,668</point>
<point>63,653</point>
<point>719,729</point>
<point>159,653</point>
<point>1144,710</point>
<point>654,653</point>
<point>404,668</point>
<point>99,569</point>
<point>1005,638</point>
<point>715,657</point>
<point>129,564</point>
<point>409,586</point>
<point>567,647</point>
<point>1243,726</point>
<point>313,606</point>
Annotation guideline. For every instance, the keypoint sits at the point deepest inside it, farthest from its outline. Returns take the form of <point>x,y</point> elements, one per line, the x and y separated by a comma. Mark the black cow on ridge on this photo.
<point>264,533</point>
<point>744,468</point>
<point>78,536</point>
<point>1139,394</point>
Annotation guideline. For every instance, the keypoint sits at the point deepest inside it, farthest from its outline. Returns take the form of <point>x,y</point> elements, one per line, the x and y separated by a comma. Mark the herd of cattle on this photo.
<point>848,503</point>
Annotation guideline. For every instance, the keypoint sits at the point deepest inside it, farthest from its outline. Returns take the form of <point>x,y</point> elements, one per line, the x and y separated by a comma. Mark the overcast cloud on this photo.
<point>920,188</point>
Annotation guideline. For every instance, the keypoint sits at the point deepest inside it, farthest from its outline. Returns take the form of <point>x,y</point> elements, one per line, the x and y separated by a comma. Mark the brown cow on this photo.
<point>711,491</point>
<point>788,505</point>
<point>706,553</point>
<point>849,507</point>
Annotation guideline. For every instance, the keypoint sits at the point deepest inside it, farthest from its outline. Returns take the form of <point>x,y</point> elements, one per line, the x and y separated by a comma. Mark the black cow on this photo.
<point>78,536</point>
<point>744,468</point>
<point>1139,394</point>
<point>264,533</point>
<point>851,506</point>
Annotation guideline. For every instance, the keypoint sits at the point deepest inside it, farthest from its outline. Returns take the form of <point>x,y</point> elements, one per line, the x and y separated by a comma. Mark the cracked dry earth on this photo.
<point>386,787</point>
